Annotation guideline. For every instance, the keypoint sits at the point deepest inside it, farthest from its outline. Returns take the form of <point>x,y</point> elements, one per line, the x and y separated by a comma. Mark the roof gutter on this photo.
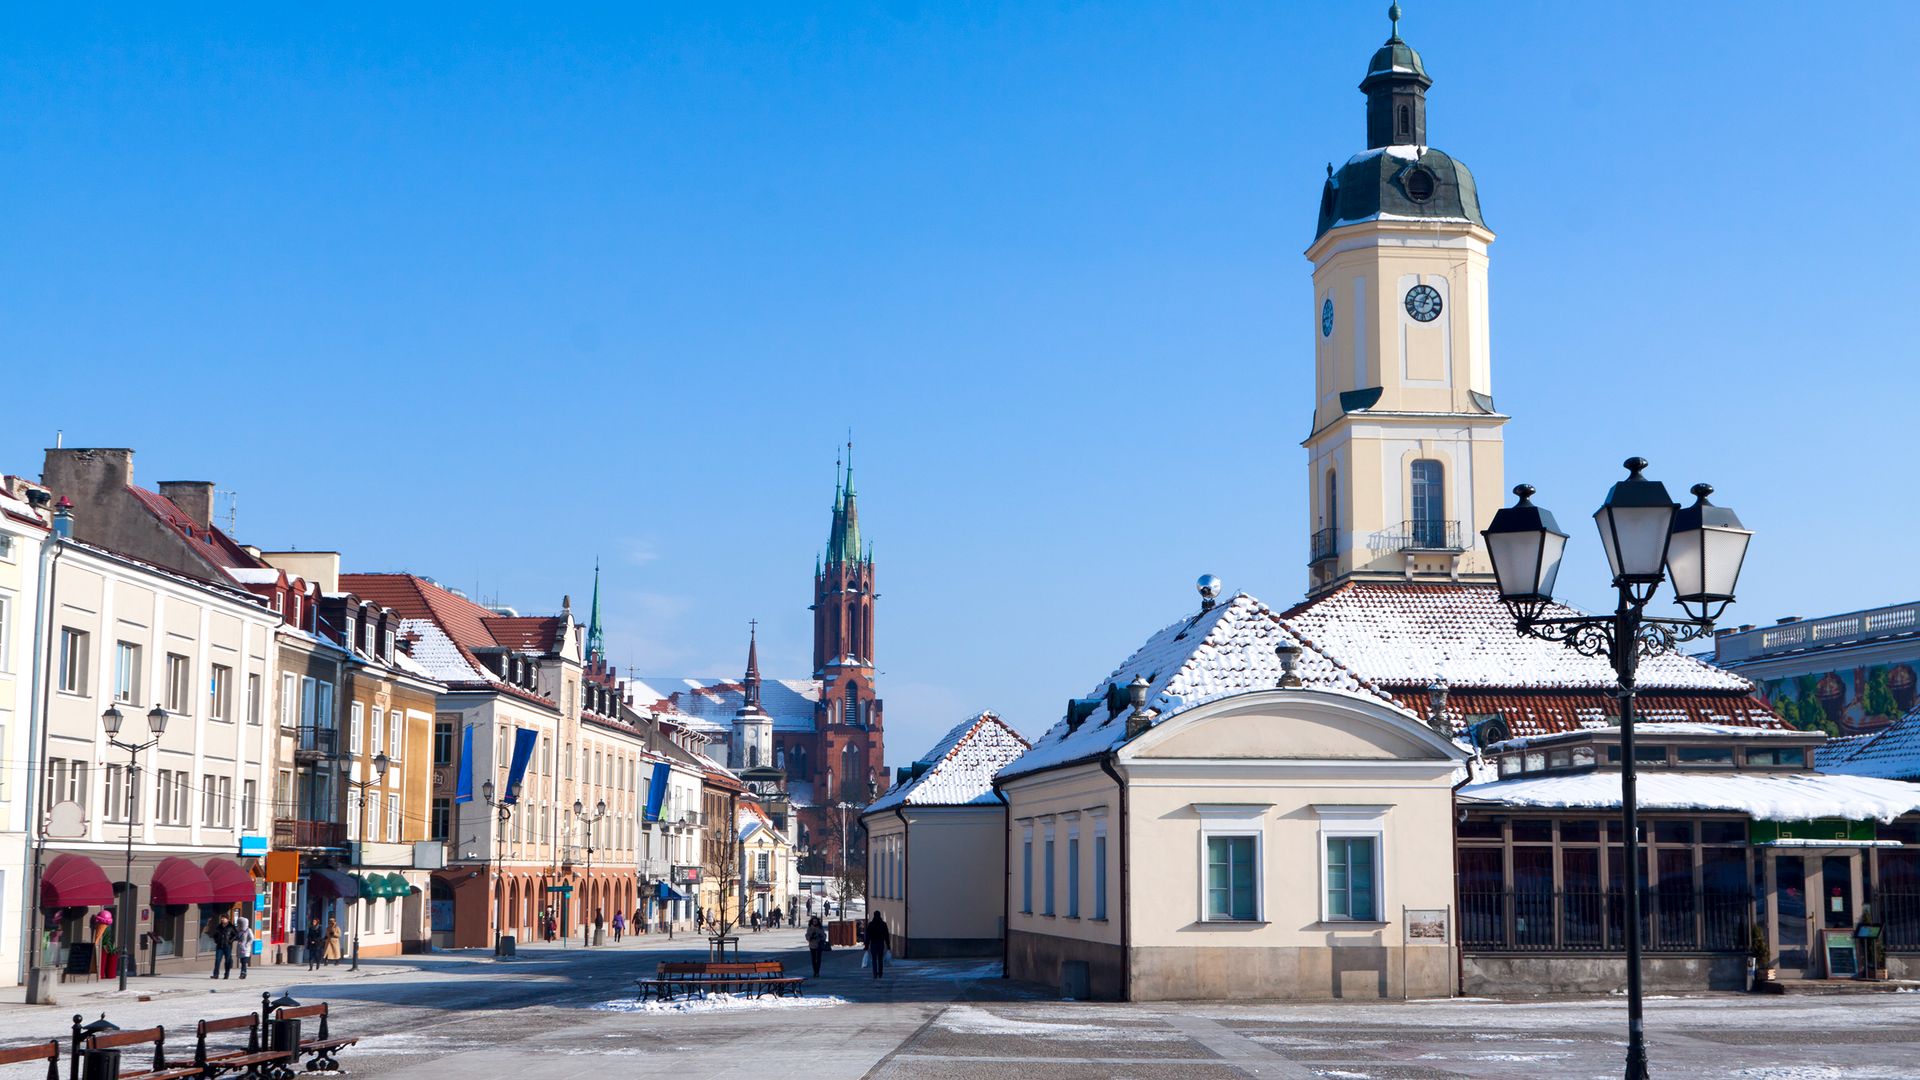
<point>1006,876</point>
<point>1126,953</point>
<point>1453,823</point>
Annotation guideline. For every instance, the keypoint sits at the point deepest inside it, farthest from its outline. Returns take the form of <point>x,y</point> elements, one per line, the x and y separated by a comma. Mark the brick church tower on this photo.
<point>851,763</point>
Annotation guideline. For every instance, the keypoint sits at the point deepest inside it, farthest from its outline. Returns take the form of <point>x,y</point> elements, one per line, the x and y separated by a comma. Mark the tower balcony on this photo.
<point>1325,545</point>
<point>1425,534</point>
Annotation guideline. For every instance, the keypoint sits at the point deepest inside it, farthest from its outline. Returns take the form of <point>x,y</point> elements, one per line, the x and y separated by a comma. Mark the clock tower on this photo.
<point>1404,458</point>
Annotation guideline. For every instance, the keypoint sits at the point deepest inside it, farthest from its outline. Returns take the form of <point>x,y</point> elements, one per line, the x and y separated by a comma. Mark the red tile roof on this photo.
<point>466,624</point>
<point>209,542</point>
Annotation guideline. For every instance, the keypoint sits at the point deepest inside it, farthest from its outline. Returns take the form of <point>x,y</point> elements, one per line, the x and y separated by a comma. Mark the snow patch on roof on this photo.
<point>1797,797</point>
<point>960,767</point>
<point>1641,727</point>
<point>791,702</point>
<point>435,654</point>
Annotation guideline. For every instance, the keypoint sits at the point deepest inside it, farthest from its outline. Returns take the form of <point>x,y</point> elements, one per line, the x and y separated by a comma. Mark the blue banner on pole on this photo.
<point>463,783</point>
<point>657,790</point>
<point>524,740</point>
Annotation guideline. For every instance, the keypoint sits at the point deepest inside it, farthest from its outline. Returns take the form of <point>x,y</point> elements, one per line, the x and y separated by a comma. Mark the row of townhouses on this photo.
<point>194,728</point>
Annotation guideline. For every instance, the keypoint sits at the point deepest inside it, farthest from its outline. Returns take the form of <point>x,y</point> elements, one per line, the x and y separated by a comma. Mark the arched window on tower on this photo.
<point>850,703</point>
<point>800,763</point>
<point>1429,525</point>
<point>753,757</point>
<point>1406,122</point>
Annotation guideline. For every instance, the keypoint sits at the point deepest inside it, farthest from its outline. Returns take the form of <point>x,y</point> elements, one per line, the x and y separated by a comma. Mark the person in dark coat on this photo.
<point>816,943</point>
<point>315,945</point>
<point>223,936</point>
<point>877,941</point>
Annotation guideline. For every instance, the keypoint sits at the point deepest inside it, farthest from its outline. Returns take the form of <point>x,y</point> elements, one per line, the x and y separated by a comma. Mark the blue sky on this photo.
<point>486,294</point>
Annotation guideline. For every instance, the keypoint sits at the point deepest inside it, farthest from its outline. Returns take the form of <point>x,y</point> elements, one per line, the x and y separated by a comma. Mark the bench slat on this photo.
<point>46,1051</point>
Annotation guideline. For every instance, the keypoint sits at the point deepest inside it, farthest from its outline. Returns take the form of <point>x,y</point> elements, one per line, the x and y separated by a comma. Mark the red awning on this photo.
<point>231,885</point>
<point>177,881</point>
<point>74,881</point>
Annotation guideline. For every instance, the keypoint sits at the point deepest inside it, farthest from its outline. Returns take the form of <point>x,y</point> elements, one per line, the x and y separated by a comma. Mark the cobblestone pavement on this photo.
<point>559,1013</point>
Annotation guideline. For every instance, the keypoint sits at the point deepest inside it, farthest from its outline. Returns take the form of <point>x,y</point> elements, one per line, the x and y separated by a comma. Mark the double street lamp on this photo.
<point>157,723</point>
<point>589,820</point>
<point>503,810</point>
<point>380,763</point>
<point>1648,539</point>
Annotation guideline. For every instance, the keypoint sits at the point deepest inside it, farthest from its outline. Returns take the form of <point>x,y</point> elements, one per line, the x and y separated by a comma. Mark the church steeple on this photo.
<point>750,686</point>
<point>596,644</point>
<point>1396,89</point>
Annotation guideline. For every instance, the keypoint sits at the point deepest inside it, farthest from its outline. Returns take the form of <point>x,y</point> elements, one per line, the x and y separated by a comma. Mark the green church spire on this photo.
<point>596,645</point>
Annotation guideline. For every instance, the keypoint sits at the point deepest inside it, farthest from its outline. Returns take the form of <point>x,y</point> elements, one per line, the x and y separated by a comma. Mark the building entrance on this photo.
<point>1816,898</point>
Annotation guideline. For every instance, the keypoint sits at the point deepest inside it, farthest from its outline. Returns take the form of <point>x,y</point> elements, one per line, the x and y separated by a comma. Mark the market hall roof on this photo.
<point>1225,650</point>
<point>1405,637</point>
<point>1763,797</point>
<point>959,770</point>
<point>1892,753</point>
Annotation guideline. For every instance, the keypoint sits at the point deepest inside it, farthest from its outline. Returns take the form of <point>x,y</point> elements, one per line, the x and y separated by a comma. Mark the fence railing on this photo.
<point>1425,534</point>
<point>1899,913</point>
<point>1326,544</point>
<point>1528,920</point>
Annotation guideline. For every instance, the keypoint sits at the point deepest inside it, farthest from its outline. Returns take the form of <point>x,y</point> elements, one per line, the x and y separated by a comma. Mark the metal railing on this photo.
<point>1425,534</point>
<point>1900,920</point>
<point>318,741</point>
<point>1326,544</point>
<point>1530,920</point>
<point>298,833</point>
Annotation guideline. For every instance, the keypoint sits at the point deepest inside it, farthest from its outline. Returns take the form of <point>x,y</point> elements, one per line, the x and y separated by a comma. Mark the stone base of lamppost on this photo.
<point>40,986</point>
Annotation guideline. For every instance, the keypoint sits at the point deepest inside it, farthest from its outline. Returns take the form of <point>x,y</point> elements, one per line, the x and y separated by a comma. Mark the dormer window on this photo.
<point>386,644</point>
<point>352,634</point>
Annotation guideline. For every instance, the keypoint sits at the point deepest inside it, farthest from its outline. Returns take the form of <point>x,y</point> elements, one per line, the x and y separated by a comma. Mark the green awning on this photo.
<point>397,885</point>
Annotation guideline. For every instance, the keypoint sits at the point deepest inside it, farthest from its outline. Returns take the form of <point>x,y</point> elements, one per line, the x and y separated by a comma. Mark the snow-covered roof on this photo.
<point>960,766</point>
<point>1398,634</point>
<point>436,654</point>
<point>1642,729</point>
<point>1217,653</point>
<point>1892,753</point>
<point>791,702</point>
<point>1762,796</point>
<point>256,575</point>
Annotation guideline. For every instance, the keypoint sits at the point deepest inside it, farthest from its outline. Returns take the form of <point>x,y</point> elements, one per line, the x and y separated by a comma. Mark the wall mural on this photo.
<point>1844,702</point>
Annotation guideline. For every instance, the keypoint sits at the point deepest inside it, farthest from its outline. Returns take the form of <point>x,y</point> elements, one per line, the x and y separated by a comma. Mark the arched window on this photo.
<point>1406,122</point>
<point>1333,500</point>
<point>1429,526</point>
<point>779,757</point>
<point>850,703</point>
<point>753,757</point>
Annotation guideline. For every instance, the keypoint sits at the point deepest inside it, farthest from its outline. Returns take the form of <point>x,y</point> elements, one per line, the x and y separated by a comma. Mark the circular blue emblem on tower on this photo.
<point>1326,318</point>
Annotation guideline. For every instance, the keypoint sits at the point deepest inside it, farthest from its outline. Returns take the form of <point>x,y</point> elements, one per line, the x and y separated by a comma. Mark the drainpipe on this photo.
<point>906,866</point>
<point>39,698</point>
<point>1120,827</point>
<point>1459,917</point>
<point>1006,877</point>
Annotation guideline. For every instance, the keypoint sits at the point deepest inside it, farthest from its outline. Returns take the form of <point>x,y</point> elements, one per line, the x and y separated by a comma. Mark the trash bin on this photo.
<point>100,1065</point>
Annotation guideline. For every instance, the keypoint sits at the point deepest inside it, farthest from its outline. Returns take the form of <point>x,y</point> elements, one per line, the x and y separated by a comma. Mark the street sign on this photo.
<point>252,846</point>
<point>567,889</point>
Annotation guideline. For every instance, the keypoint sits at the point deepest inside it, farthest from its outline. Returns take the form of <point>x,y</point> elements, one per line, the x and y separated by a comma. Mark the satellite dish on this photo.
<point>67,820</point>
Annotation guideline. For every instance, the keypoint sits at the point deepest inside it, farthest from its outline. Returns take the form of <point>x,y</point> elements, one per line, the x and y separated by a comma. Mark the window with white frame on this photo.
<point>289,699</point>
<point>353,813</point>
<point>179,684</point>
<point>254,702</point>
<point>209,808</point>
<point>6,623</point>
<point>393,818</point>
<point>1232,839</point>
<point>356,720</point>
<point>374,823</point>
<point>376,730</point>
<point>1046,871</point>
<point>1351,871</point>
<point>1100,868</point>
<point>220,692</point>
<point>249,805</point>
<point>226,802</point>
<point>394,740</point>
<point>126,671</point>
<point>1073,870</point>
<point>73,660</point>
<point>1026,870</point>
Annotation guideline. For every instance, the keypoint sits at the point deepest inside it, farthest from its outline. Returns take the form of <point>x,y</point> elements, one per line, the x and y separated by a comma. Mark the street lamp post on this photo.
<point>380,763</point>
<point>157,723</point>
<point>503,810</point>
<point>589,820</point>
<point>1648,538</point>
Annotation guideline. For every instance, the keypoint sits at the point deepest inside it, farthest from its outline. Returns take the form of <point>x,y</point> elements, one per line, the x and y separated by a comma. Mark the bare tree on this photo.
<point>723,867</point>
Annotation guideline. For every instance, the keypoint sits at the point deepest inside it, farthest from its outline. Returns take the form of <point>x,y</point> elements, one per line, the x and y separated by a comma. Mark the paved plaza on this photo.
<point>539,1015</point>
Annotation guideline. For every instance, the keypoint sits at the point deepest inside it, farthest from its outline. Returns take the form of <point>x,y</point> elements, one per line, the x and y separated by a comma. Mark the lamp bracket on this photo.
<point>1593,635</point>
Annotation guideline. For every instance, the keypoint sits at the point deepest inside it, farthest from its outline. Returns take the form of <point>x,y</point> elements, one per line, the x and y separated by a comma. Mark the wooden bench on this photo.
<point>48,1052</point>
<point>212,1064</point>
<point>323,1046</point>
<point>154,1036</point>
<point>690,977</point>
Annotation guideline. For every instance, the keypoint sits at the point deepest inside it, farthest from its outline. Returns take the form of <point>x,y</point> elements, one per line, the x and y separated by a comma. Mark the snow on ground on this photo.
<point>945,970</point>
<point>969,1020</point>
<point>718,1003</point>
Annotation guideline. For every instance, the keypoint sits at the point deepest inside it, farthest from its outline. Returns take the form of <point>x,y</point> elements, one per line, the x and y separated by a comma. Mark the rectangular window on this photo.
<point>376,731</point>
<point>73,660</point>
<point>179,684</point>
<point>443,744</point>
<point>1073,874</point>
<point>393,818</point>
<point>442,824</point>
<point>254,702</point>
<point>1351,873</point>
<point>209,812</point>
<point>1231,867</point>
<point>395,738</point>
<point>1026,873</point>
<point>1099,874</point>
<point>356,720</point>
<point>122,796</point>
<point>226,802</point>
<point>1046,895</point>
<point>6,784</point>
<point>323,706</point>
<point>56,781</point>
<point>289,700</point>
<point>249,805</point>
<point>126,671</point>
<point>6,622</point>
<point>353,814</point>
<point>220,692</point>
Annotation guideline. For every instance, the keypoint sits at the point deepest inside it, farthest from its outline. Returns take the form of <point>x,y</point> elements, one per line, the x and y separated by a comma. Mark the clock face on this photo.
<point>1423,303</point>
<point>1326,318</point>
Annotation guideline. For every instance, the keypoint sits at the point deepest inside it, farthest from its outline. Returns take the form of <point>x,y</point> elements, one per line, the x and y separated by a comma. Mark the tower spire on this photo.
<point>596,644</point>
<point>750,686</point>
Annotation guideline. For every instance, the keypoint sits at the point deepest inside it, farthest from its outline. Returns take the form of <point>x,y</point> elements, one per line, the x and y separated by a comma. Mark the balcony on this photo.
<point>1326,544</point>
<point>316,743</point>
<point>1798,635</point>
<point>1425,534</point>
<point>300,833</point>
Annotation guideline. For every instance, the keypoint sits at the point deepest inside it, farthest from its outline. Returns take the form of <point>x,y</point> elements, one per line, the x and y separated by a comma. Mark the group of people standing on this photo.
<point>233,933</point>
<point>878,946</point>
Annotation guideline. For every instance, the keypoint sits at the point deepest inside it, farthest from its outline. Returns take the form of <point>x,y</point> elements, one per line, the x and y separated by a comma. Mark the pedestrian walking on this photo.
<point>222,947</point>
<point>314,934</point>
<point>774,917</point>
<point>243,940</point>
<point>817,943</point>
<point>599,926</point>
<point>756,922</point>
<point>332,953</point>
<point>877,941</point>
<point>619,925</point>
<point>793,916</point>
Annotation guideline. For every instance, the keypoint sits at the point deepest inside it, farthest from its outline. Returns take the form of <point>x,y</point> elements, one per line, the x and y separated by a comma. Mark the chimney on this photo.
<point>63,518</point>
<point>193,497</point>
<point>94,480</point>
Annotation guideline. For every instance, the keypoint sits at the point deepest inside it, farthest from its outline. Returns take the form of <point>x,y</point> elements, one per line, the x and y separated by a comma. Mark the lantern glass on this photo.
<point>1705,555</point>
<point>111,720</point>
<point>1634,524</point>
<point>157,720</point>
<point>1525,545</point>
<point>380,763</point>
